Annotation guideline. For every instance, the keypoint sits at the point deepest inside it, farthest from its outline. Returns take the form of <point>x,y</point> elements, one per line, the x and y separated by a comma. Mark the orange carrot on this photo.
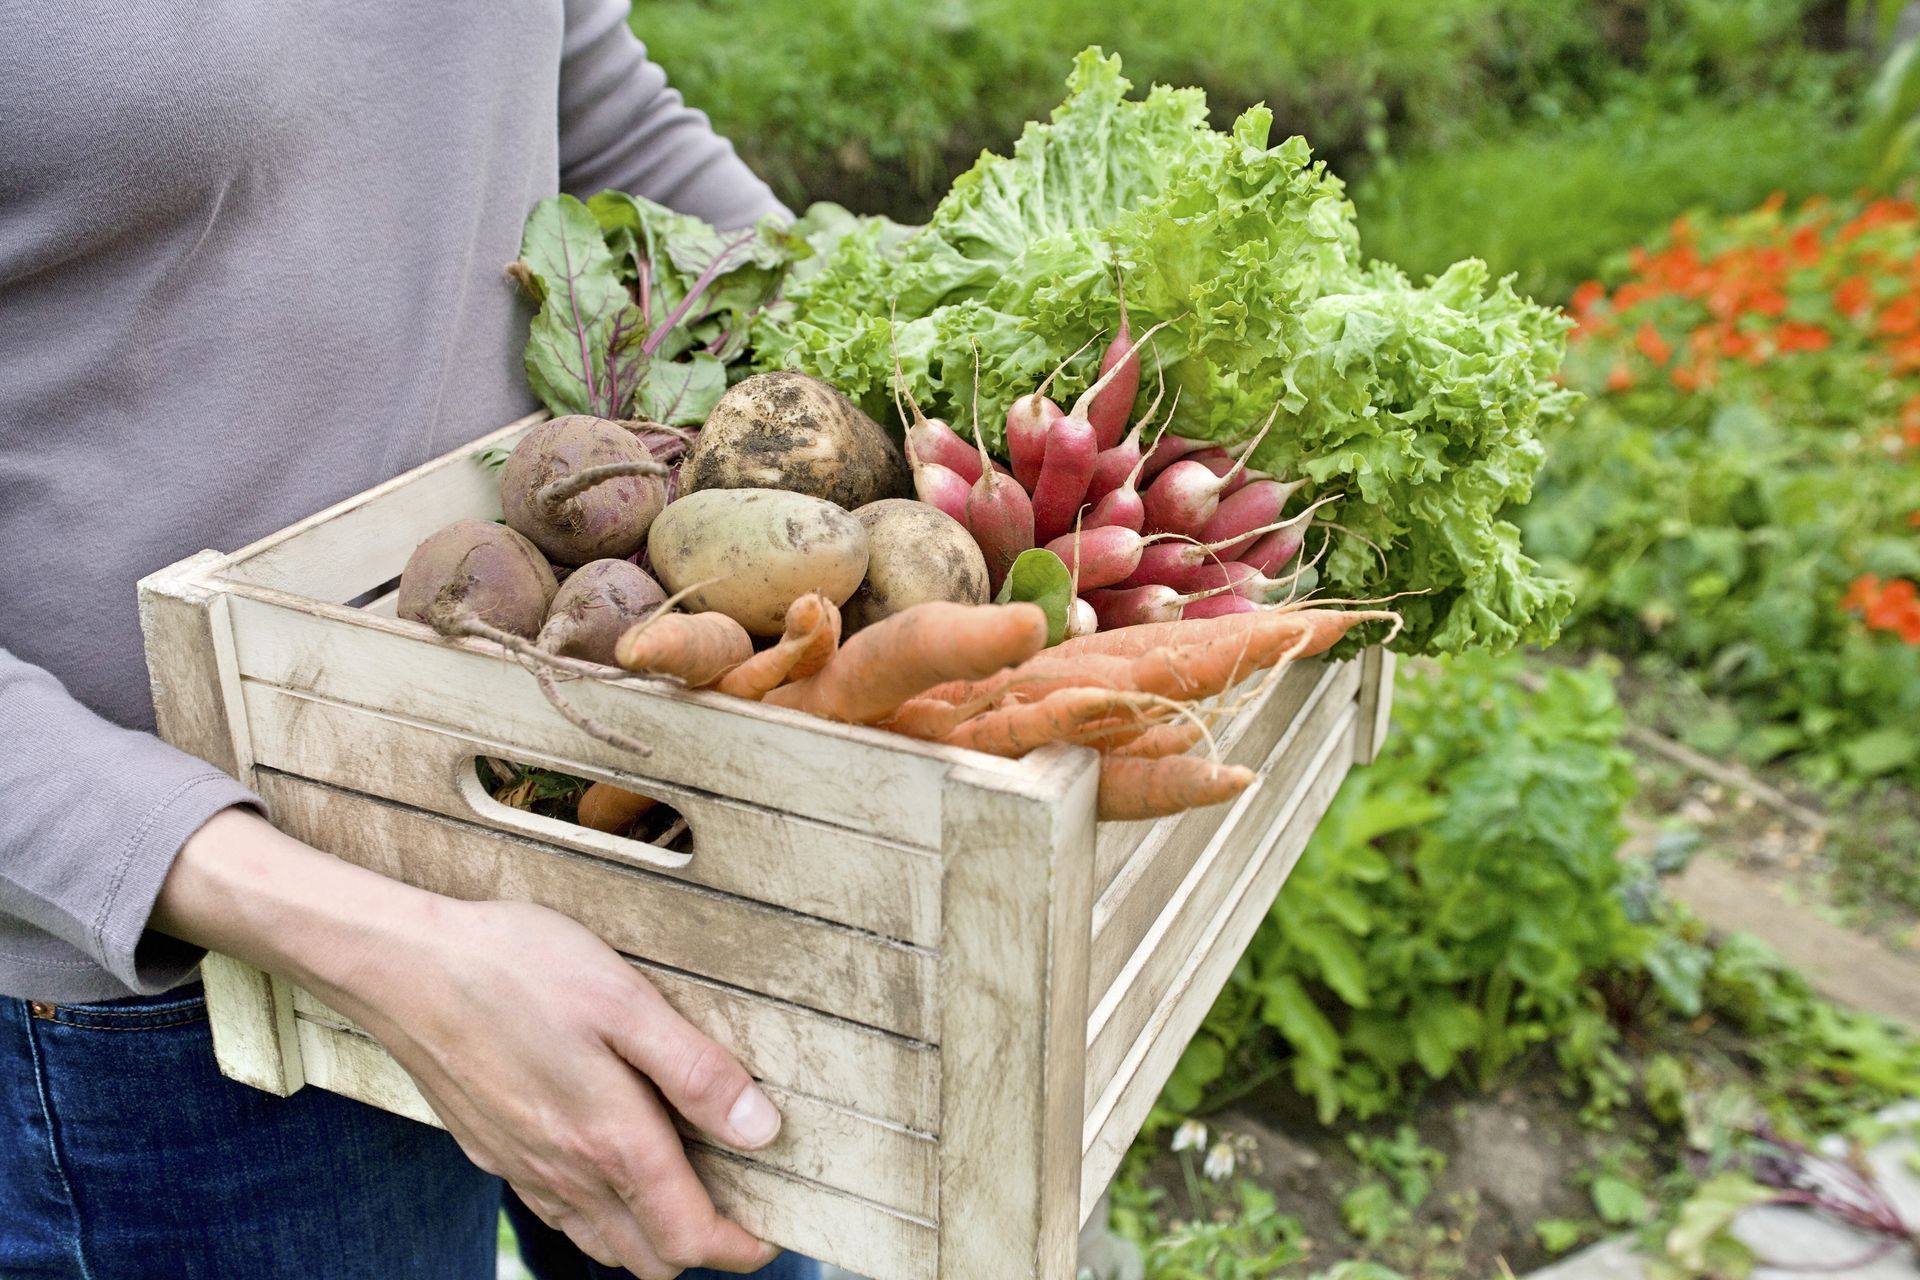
<point>1132,788</point>
<point>1016,730</point>
<point>605,807</point>
<point>882,666</point>
<point>1039,676</point>
<point>698,648</point>
<point>930,718</point>
<point>1271,631</point>
<point>1163,740</point>
<point>812,630</point>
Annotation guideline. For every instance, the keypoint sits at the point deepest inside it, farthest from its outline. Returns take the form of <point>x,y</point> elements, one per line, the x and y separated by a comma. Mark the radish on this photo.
<point>1173,563</point>
<point>1081,619</point>
<point>1111,407</point>
<point>582,488</point>
<point>1243,580</point>
<point>1185,496</point>
<point>1168,451</point>
<point>941,487</point>
<point>1029,419</point>
<point>1067,465</point>
<point>1101,556</point>
<point>1121,505</point>
<point>1131,606</point>
<point>929,441</point>
<point>1233,475</point>
<point>1275,549</point>
<point>1259,503</point>
<point>1217,606</point>
<point>998,512</point>
<point>1113,466</point>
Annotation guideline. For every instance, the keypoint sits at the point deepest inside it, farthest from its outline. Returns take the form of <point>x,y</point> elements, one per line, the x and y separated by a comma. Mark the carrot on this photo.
<point>1163,740</point>
<point>882,666</point>
<point>1134,787</point>
<point>605,807</point>
<point>812,631</point>
<point>1272,630</point>
<point>698,648</point>
<point>1040,676</point>
<point>1016,730</point>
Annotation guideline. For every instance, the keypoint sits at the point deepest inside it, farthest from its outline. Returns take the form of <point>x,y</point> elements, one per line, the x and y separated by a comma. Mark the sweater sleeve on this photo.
<point>621,126</point>
<point>91,818</point>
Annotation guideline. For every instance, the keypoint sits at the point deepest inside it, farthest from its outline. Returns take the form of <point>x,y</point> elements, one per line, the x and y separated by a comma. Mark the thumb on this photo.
<point>697,1077</point>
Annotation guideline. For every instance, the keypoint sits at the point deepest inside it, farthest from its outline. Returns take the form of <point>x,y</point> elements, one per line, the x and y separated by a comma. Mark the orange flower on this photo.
<point>1587,296</point>
<point>1913,519</point>
<point>1806,245</point>
<point>1853,295</point>
<point>1795,336</point>
<point>1900,317</point>
<point>1774,203</point>
<point>1861,592</point>
<point>1619,378</point>
<point>1897,600</point>
<point>1652,345</point>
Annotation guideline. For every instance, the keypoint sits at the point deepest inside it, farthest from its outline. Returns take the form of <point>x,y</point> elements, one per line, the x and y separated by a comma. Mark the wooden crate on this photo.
<point>962,994</point>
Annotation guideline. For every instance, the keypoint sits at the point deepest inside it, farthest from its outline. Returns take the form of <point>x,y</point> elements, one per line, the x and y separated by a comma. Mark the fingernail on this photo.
<point>753,1119</point>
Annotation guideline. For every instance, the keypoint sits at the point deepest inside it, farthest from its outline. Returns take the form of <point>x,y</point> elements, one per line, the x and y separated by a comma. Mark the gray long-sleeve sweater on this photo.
<point>250,264</point>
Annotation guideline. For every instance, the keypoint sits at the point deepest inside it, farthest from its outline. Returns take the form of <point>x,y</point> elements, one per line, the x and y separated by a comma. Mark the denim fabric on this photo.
<point>125,1155</point>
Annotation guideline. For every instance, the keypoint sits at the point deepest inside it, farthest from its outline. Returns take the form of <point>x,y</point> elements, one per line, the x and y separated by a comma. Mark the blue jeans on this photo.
<point>125,1155</point>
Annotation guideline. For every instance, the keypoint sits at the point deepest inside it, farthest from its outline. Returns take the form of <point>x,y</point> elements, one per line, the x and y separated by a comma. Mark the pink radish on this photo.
<point>933,445</point>
<point>1243,579</point>
<point>1114,466</point>
<point>1168,451</point>
<point>1029,419</point>
<point>1275,550</point>
<point>1081,619</point>
<point>1110,408</point>
<point>1256,504</point>
<point>1131,606</point>
<point>1173,563</point>
<point>1067,465</point>
<point>1217,606</point>
<point>1122,505</point>
<point>1101,556</point>
<point>998,512</point>
<point>1185,496</point>
<point>941,487</point>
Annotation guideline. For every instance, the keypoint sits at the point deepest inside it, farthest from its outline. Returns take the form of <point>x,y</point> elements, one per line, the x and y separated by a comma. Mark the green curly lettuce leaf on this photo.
<point>1420,405</point>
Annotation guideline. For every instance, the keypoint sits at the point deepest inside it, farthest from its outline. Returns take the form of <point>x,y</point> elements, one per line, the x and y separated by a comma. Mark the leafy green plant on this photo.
<point>1738,494</point>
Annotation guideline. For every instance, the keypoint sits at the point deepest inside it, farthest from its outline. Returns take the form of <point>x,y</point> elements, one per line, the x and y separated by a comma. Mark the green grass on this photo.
<point>1552,204</point>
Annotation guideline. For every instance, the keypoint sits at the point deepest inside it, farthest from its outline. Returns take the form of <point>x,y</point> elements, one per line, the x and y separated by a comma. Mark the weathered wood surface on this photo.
<point>355,545</point>
<point>806,866</point>
<point>194,676</point>
<point>1143,1026</point>
<point>821,1221</point>
<point>862,779</point>
<point>852,974</point>
<point>1376,703</point>
<point>1126,911</point>
<point>1013,988</point>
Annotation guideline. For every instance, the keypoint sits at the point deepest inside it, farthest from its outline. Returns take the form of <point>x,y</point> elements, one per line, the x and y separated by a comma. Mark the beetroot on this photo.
<point>582,488</point>
<point>477,570</point>
<point>595,606</point>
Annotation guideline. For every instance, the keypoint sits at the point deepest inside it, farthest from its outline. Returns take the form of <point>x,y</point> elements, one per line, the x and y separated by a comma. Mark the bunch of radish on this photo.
<point>1151,531</point>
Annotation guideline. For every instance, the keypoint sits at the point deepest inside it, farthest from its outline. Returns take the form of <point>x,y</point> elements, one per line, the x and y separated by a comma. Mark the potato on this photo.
<point>786,430</point>
<point>915,553</point>
<point>753,552</point>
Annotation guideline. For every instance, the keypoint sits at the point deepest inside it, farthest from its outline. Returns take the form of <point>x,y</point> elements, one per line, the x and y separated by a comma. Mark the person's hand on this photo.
<point>544,1053</point>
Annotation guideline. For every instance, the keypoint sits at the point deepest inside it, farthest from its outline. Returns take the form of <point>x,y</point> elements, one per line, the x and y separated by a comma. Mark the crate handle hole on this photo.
<point>620,822</point>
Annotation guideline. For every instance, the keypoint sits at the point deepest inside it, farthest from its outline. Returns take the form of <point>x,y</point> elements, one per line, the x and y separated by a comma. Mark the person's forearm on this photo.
<point>245,889</point>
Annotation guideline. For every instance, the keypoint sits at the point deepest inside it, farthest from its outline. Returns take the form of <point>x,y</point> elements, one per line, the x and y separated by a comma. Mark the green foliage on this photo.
<point>1402,1169</point>
<point>1419,406</point>
<point>1736,495</point>
<point>1453,905</point>
<point>1548,199</point>
<point>1251,1242</point>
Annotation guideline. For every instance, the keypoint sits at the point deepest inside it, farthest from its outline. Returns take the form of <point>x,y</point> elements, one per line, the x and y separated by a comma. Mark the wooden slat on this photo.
<point>1013,990</point>
<point>791,1211</point>
<point>1245,739</point>
<point>887,1077</point>
<point>195,680</point>
<point>886,888</point>
<point>1123,914</point>
<point>354,546</point>
<point>838,1147</point>
<point>863,779</point>
<point>1272,807</point>
<point>1376,703</point>
<point>855,975</point>
<point>1141,1031</point>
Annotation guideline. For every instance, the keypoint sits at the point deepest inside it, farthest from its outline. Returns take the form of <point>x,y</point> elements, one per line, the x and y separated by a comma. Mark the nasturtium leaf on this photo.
<point>1041,577</point>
